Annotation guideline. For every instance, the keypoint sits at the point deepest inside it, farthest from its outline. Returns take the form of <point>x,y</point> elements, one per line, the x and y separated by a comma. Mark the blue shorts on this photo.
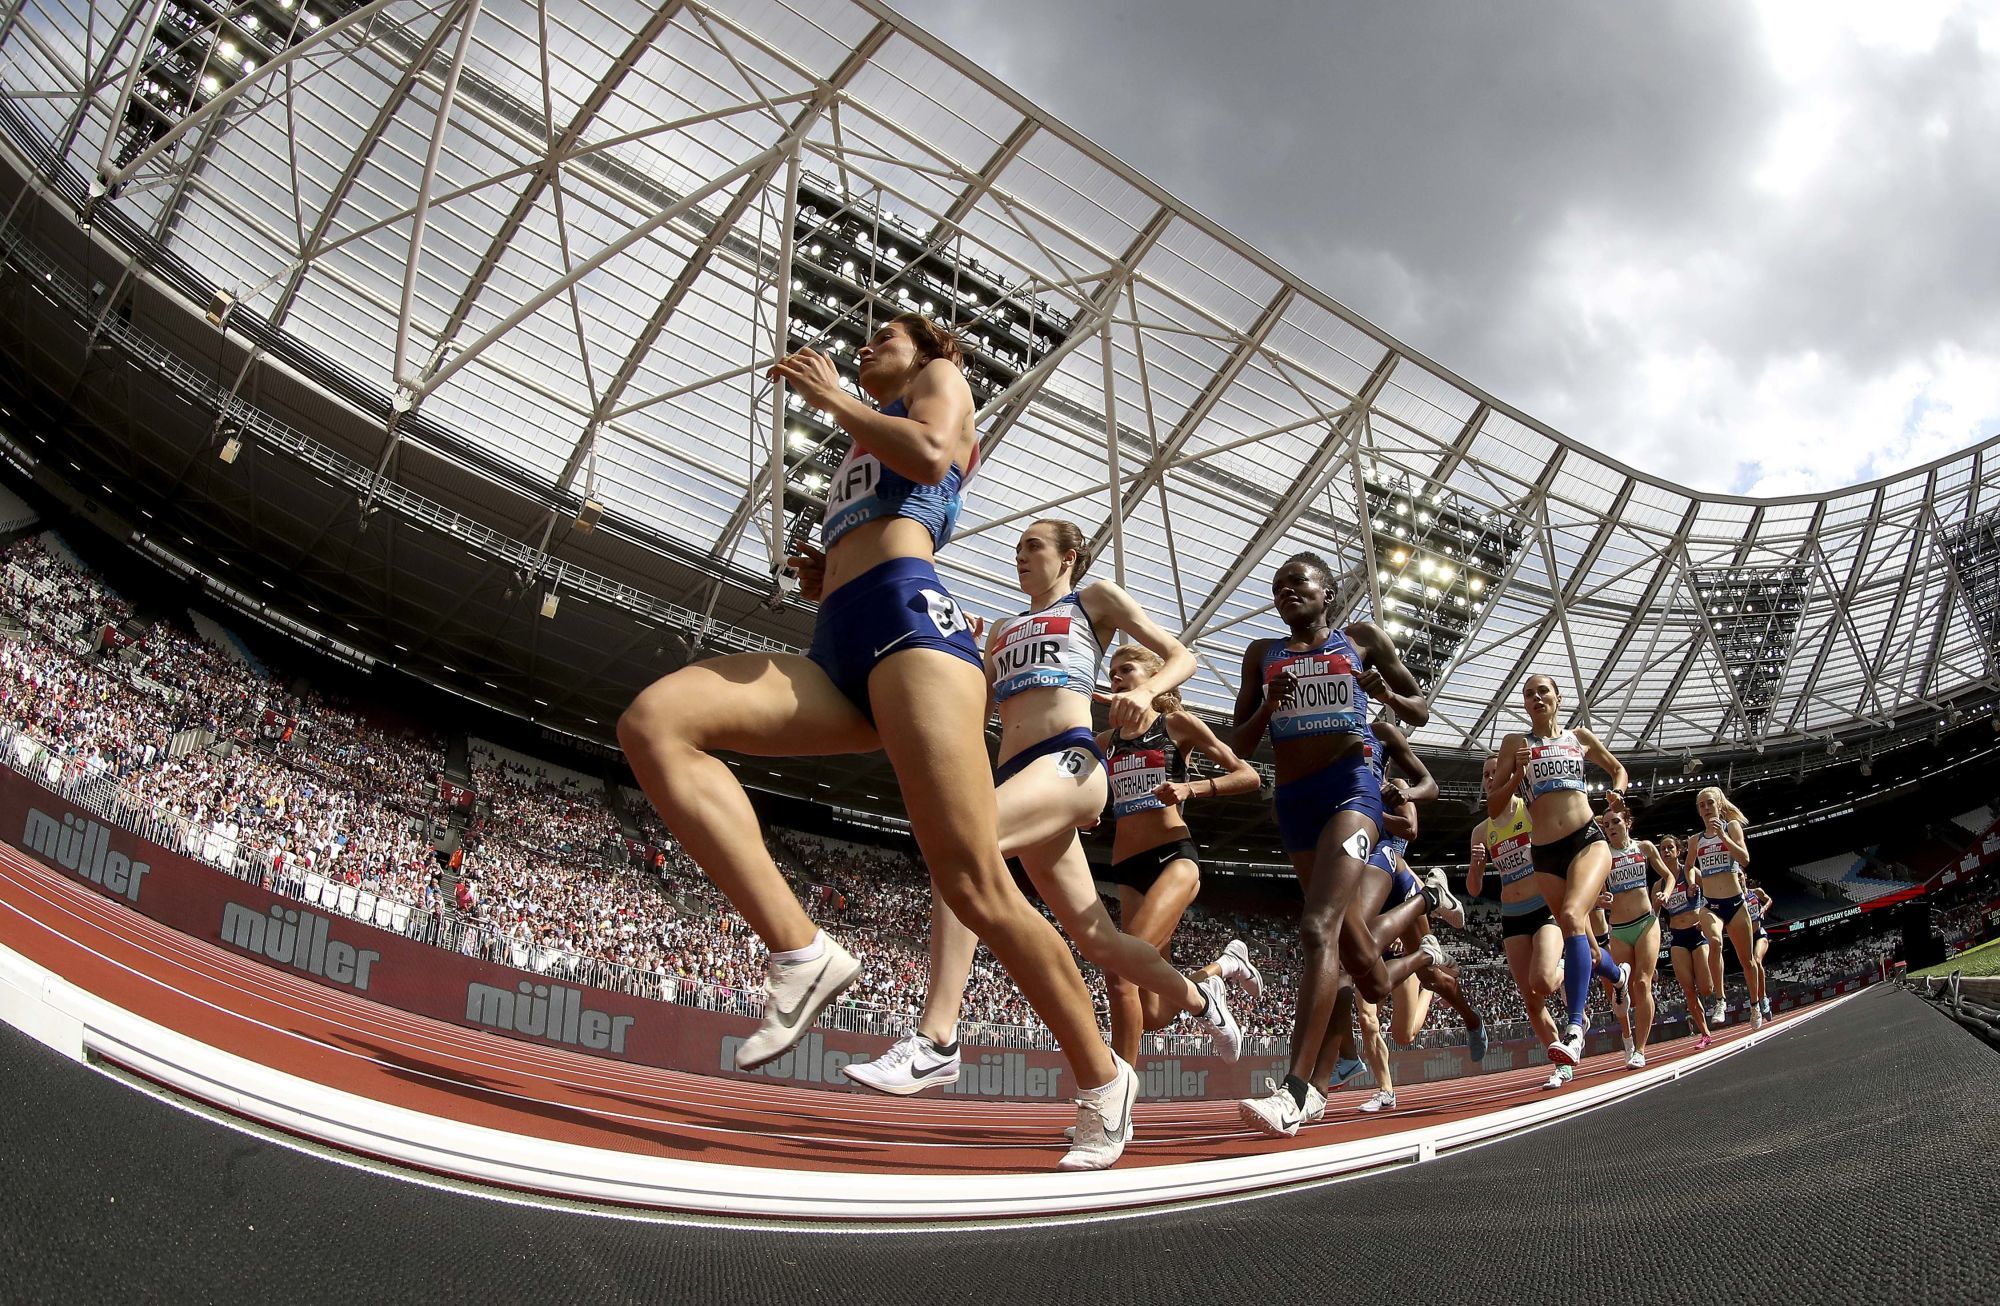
<point>1402,886</point>
<point>1725,909</point>
<point>1077,737</point>
<point>1687,936</point>
<point>891,608</point>
<point>1305,805</point>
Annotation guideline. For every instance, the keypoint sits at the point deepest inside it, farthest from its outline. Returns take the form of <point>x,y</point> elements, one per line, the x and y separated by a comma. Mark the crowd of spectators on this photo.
<point>557,872</point>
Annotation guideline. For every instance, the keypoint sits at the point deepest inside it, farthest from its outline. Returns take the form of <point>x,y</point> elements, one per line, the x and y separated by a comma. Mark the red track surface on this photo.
<point>377,1052</point>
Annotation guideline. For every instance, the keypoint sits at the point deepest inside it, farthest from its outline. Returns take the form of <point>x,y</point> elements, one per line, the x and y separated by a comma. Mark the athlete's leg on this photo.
<point>932,710</point>
<point>1740,938</point>
<point>1643,956</point>
<point>1413,1004</point>
<point>1128,1014</point>
<point>1529,960</point>
<point>1361,945</point>
<point>1711,928</point>
<point>1034,806</point>
<point>1061,874</point>
<point>1691,972</point>
<point>762,704</point>
<point>1337,1040</point>
<point>1158,916</point>
<point>1572,898</point>
<point>1374,1050</point>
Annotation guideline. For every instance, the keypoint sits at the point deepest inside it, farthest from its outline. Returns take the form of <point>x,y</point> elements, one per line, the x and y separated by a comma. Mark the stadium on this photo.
<point>396,391</point>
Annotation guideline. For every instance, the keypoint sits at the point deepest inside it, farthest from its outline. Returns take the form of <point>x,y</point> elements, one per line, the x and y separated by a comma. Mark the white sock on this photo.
<point>1103,1089</point>
<point>811,952</point>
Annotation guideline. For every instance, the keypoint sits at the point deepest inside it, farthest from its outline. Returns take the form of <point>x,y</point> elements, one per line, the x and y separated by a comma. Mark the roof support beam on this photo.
<point>1314,477</point>
<point>1694,650</point>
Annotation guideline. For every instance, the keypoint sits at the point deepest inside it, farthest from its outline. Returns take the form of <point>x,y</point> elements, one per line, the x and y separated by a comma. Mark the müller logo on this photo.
<point>300,939</point>
<point>82,846</point>
<point>547,1011</point>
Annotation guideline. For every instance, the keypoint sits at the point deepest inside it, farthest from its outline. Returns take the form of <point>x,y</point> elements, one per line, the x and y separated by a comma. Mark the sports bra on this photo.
<point>863,490</point>
<point>1329,700</point>
<point>1555,764</point>
<point>1141,765</point>
<point>1055,648</point>
<point>1510,844</point>
<point>1712,856</point>
<point>1628,869</point>
<point>1682,900</point>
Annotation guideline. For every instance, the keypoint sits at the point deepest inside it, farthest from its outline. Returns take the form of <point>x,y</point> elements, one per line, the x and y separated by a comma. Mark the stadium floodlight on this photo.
<point>549,601</point>
<point>1446,556</point>
<point>1754,614</point>
<point>230,448</point>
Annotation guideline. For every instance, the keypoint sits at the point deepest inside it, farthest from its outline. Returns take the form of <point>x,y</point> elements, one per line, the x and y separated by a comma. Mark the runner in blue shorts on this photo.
<point>1311,693</point>
<point>893,666</point>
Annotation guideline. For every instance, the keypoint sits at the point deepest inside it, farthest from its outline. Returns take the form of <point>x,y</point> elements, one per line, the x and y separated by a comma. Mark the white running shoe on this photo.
<point>1315,1106</point>
<point>1756,1016</point>
<point>798,991</point>
<point>1275,1113</point>
<point>911,1066</point>
<point>1239,970</point>
<point>1718,1015</point>
<point>1635,1059</point>
<point>1625,1042</point>
<point>1559,1077</point>
<point>1103,1122</point>
<point>1430,946</point>
<point>1569,1049</point>
<point>1445,905</point>
<point>1621,992</point>
<point>1227,1034</point>
<point>1383,1099</point>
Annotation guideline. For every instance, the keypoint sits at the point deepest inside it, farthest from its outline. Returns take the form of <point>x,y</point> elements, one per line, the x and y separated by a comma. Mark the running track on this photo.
<point>390,1057</point>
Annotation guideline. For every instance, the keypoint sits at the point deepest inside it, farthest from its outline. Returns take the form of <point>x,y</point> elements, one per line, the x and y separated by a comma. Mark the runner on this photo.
<point>1719,855</point>
<point>1632,896</point>
<point>892,666</point>
<point>1757,903</point>
<point>1528,932</point>
<point>1681,904</point>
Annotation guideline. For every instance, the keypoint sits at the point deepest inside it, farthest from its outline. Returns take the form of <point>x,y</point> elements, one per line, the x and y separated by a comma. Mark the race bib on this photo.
<point>850,495</point>
<point>1554,766</point>
<point>1030,654</point>
<point>1324,701</point>
<point>1134,777</point>
<point>944,612</point>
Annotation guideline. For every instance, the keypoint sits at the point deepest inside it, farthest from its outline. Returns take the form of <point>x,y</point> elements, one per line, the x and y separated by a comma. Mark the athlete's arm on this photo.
<point>1506,777</point>
<point>1732,837</point>
<point>1422,786</point>
<point>1254,705</point>
<point>922,446</point>
<point>1192,735</point>
<point>1594,749</point>
<point>1663,876</point>
<point>1475,869</point>
<point>1400,820</point>
<point>1109,607</point>
<point>1386,678</point>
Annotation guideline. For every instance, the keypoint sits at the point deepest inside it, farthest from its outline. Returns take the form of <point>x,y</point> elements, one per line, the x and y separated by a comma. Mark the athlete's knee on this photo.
<point>1319,928</point>
<point>1098,944</point>
<point>661,717</point>
<point>981,906</point>
<point>1372,983</point>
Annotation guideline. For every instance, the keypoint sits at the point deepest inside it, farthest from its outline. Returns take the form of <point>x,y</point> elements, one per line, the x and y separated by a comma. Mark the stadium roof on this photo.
<point>557,236</point>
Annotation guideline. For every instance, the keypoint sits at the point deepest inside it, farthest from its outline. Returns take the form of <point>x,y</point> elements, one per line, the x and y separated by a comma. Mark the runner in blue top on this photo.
<point>1310,692</point>
<point>1570,856</point>
<point>893,666</point>
<point>1052,781</point>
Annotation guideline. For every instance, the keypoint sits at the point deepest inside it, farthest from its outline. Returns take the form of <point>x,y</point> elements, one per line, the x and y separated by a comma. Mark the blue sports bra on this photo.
<point>1055,648</point>
<point>1329,700</point>
<point>863,490</point>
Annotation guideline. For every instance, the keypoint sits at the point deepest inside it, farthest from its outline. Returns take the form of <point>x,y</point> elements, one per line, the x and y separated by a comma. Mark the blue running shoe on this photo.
<point>1475,1042</point>
<point>1347,1068</point>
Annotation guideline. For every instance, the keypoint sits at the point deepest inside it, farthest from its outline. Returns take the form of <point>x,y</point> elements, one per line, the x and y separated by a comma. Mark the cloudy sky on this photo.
<point>1750,246</point>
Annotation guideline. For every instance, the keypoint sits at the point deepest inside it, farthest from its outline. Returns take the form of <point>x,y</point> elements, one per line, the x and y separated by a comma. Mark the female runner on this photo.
<point>1632,896</point>
<point>1528,931</point>
<point>1682,908</point>
<point>892,666</point>
<point>1311,692</point>
<point>1154,862</point>
<point>1052,781</point>
<point>1757,903</point>
<point>1719,855</point>
<point>1571,861</point>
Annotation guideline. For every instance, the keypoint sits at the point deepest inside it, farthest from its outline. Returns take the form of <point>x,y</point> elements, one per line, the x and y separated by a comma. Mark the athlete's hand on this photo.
<point>812,377</point>
<point>1374,685</point>
<point>1394,794</point>
<point>1523,754</point>
<point>1173,793</point>
<point>977,625</point>
<point>1478,856</point>
<point>1281,690</point>
<point>1605,899</point>
<point>1614,803</point>
<point>1715,827</point>
<point>810,563</point>
<point>1128,709</point>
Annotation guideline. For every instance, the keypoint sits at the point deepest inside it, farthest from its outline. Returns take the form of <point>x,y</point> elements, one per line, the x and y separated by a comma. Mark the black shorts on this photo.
<point>1556,858</point>
<point>1527,922</point>
<point>1141,870</point>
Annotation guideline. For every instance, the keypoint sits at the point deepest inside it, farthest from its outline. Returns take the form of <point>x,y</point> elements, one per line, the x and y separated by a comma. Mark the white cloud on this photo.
<point>1747,246</point>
